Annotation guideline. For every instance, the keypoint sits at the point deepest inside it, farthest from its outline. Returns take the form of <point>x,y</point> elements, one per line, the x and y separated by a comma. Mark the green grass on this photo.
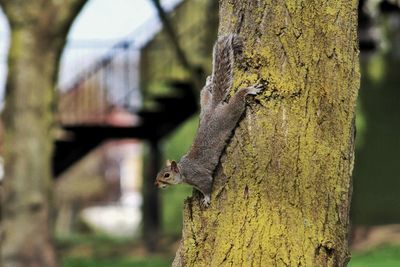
<point>101,251</point>
<point>380,257</point>
<point>144,262</point>
<point>91,239</point>
<point>93,250</point>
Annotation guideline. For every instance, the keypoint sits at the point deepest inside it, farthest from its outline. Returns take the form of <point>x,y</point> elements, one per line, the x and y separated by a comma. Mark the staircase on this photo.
<point>151,125</point>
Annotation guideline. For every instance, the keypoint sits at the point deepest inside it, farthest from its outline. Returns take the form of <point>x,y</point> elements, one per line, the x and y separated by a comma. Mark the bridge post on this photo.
<point>151,207</point>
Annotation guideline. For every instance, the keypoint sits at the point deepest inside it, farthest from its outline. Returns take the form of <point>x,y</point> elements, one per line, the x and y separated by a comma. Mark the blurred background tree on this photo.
<point>38,33</point>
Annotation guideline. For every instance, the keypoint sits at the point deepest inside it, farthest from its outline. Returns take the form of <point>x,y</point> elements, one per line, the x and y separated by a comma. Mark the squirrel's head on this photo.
<point>169,175</point>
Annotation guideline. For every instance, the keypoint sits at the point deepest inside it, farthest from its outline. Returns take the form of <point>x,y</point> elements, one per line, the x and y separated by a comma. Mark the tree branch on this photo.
<point>195,73</point>
<point>171,34</point>
<point>66,13</point>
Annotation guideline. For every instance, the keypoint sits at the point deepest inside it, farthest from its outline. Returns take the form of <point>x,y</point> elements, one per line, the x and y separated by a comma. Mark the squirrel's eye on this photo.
<point>166,175</point>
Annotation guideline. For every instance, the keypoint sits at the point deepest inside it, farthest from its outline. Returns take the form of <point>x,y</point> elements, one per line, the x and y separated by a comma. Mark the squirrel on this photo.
<point>218,119</point>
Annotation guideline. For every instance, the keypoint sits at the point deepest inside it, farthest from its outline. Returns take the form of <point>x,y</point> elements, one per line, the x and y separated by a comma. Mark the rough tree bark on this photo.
<point>281,195</point>
<point>38,32</point>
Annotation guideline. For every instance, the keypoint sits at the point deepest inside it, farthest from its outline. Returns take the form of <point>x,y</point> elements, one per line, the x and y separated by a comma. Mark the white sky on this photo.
<point>101,23</point>
<point>108,20</point>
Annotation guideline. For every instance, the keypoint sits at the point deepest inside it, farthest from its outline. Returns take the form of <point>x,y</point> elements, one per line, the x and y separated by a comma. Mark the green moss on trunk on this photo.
<point>281,195</point>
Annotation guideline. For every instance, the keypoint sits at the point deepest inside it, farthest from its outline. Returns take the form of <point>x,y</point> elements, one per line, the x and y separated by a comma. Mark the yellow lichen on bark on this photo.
<point>281,195</point>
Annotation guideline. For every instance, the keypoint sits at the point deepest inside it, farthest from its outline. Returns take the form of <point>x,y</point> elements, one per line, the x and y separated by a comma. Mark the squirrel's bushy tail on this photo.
<point>226,49</point>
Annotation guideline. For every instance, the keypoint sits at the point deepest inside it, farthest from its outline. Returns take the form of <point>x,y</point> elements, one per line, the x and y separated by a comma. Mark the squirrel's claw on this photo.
<point>205,202</point>
<point>255,89</point>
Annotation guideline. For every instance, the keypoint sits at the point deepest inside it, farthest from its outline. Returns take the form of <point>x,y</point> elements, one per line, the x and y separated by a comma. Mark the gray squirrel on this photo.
<point>218,119</point>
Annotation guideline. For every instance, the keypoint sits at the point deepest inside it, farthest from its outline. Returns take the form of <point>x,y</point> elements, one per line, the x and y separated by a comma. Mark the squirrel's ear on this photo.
<point>174,166</point>
<point>167,162</point>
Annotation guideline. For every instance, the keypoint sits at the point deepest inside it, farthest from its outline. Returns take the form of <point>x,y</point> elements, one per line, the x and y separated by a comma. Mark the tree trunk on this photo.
<point>282,192</point>
<point>38,32</point>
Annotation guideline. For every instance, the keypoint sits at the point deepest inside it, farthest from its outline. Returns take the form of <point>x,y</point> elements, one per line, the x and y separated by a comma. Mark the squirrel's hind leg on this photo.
<point>205,202</point>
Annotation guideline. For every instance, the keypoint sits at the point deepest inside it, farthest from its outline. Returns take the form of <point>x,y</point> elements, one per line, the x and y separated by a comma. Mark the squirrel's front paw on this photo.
<point>205,202</point>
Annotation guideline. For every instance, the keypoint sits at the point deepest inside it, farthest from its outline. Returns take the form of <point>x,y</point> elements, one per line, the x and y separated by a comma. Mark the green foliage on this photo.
<point>376,68</point>
<point>175,146</point>
<point>155,89</point>
<point>172,206</point>
<point>178,143</point>
<point>376,169</point>
<point>361,124</point>
<point>382,257</point>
